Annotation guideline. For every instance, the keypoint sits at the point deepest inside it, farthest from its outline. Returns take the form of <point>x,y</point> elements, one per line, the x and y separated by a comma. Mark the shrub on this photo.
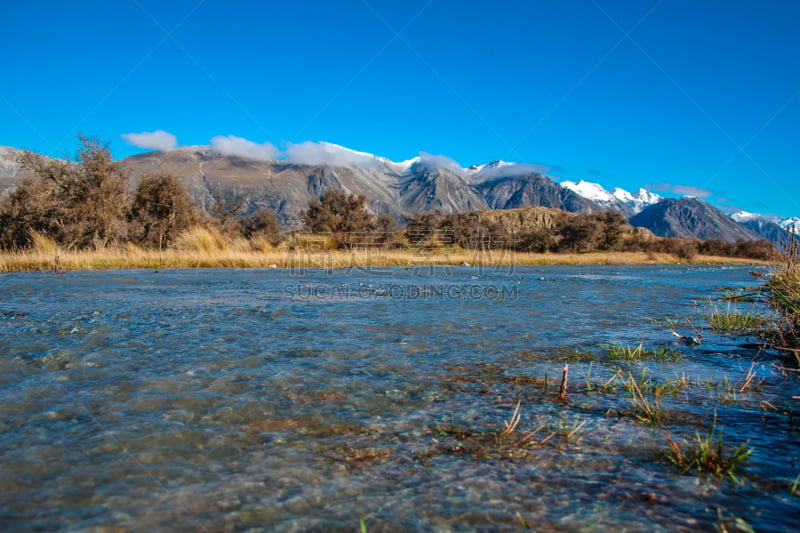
<point>338,212</point>
<point>716,247</point>
<point>538,240</point>
<point>684,249</point>
<point>581,232</point>
<point>760,249</point>
<point>33,207</point>
<point>80,203</point>
<point>785,298</point>
<point>160,210</point>
<point>261,225</point>
<point>612,227</point>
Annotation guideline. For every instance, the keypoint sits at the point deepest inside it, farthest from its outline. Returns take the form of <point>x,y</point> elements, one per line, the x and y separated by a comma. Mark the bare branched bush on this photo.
<point>338,212</point>
<point>261,225</point>
<point>80,203</point>
<point>160,210</point>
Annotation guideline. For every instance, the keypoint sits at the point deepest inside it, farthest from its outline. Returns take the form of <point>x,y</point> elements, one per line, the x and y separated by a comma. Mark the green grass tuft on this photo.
<point>646,410</point>
<point>708,455</point>
<point>640,353</point>
<point>737,322</point>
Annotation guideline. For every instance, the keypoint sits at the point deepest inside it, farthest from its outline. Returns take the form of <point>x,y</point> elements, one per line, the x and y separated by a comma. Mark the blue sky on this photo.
<point>677,96</point>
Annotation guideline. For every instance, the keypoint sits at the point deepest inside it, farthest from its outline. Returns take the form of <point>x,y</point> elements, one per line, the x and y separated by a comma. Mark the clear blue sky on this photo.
<point>674,95</point>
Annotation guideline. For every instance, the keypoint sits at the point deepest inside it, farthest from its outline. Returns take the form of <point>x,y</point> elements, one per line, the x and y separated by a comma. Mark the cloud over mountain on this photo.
<point>441,161</point>
<point>322,153</point>
<point>240,147</point>
<point>512,170</point>
<point>685,190</point>
<point>151,140</point>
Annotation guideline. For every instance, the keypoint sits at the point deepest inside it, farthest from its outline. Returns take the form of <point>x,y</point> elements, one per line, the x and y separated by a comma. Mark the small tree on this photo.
<point>261,223</point>
<point>160,210</point>
<point>538,240</point>
<point>612,228</point>
<point>96,197</point>
<point>32,206</point>
<point>78,203</point>
<point>579,232</point>
<point>338,212</point>
<point>469,230</point>
<point>421,227</point>
<point>225,212</point>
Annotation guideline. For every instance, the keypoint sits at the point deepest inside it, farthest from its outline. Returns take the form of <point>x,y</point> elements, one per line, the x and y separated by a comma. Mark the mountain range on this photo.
<point>423,184</point>
<point>619,199</point>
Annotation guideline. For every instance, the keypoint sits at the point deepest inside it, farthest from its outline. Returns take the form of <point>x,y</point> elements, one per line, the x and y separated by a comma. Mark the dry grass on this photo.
<point>43,243</point>
<point>204,240</point>
<point>784,286</point>
<point>202,248</point>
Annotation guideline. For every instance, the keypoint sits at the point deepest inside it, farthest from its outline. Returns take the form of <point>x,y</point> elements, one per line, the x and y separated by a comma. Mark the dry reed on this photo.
<point>203,248</point>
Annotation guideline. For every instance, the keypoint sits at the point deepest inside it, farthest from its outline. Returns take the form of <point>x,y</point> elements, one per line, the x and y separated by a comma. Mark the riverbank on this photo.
<point>127,258</point>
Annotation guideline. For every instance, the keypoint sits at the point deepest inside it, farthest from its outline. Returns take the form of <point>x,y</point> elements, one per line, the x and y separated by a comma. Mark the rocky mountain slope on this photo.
<point>11,172</point>
<point>769,228</point>
<point>690,218</point>
<point>422,184</point>
<point>398,189</point>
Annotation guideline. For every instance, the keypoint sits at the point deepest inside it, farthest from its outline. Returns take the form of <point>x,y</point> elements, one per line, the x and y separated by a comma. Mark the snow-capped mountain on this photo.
<point>768,226</point>
<point>744,216</point>
<point>590,191</point>
<point>619,199</point>
<point>643,198</point>
<point>425,183</point>
<point>790,224</point>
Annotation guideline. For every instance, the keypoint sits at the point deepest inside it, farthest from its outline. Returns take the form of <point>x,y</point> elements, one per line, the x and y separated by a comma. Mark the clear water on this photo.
<point>228,400</point>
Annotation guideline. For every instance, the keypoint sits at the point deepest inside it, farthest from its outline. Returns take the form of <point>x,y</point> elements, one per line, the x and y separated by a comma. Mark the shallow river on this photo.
<point>278,400</point>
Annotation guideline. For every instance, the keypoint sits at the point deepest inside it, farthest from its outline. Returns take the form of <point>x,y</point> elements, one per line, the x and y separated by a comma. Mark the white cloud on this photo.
<point>239,147</point>
<point>513,170</point>
<point>151,140</point>
<point>691,190</point>
<point>322,153</point>
<point>683,190</point>
<point>441,161</point>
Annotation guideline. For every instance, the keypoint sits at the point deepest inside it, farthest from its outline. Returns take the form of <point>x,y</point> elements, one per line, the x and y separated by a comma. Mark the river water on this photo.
<point>318,400</point>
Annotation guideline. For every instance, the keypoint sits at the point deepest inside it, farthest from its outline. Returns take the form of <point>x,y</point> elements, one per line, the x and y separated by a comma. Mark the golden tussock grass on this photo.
<point>199,239</point>
<point>43,243</point>
<point>206,250</point>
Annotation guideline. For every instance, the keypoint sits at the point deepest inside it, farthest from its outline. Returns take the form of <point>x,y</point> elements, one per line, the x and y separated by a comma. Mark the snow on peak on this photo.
<point>339,148</point>
<point>595,192</point>
<point>404,166</point>
<point>638,201</point>
<point>790,224</point>
<point>494,164</point>
<point>622,195</point>
<point>646,196</point>
<point>744,216</point>
<point>503,169</point>
<point>590,191</point>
